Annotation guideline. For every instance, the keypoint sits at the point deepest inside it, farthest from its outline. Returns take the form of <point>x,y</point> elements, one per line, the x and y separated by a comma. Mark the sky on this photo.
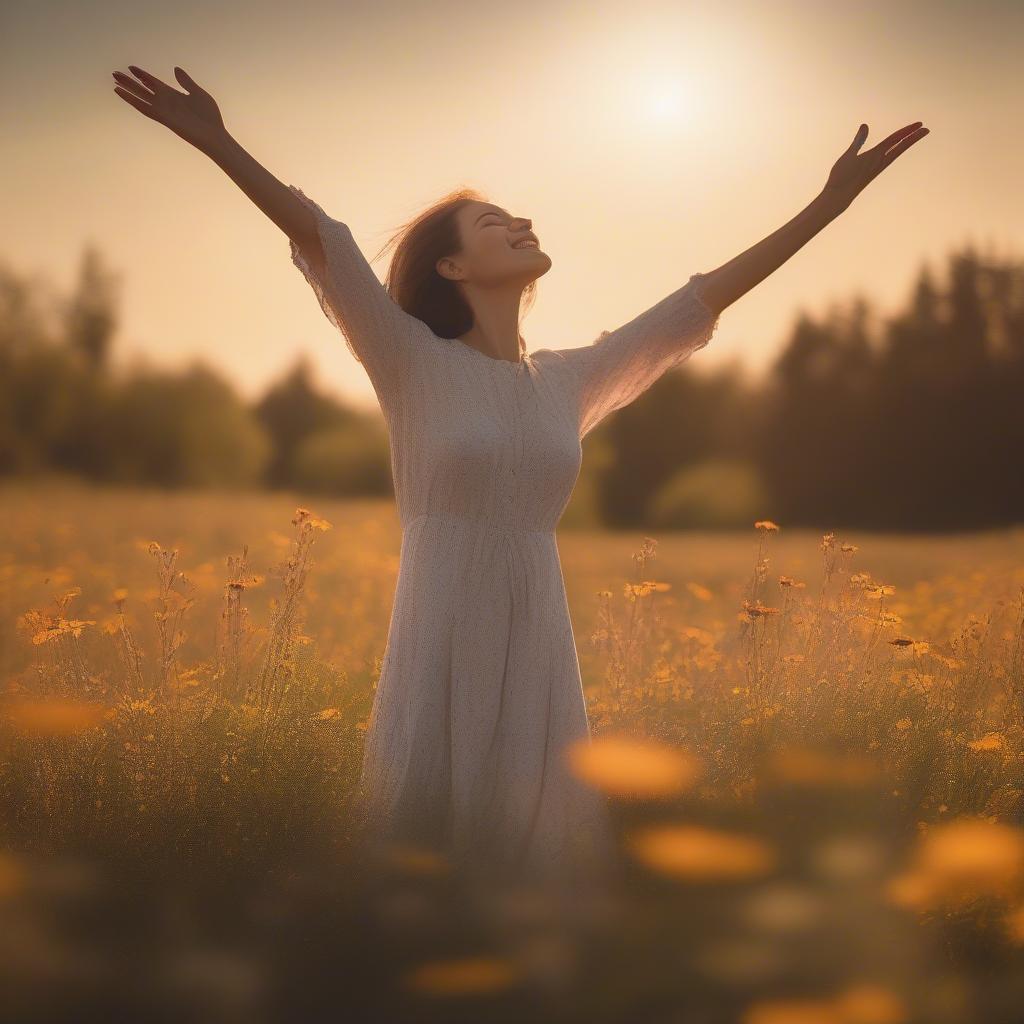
<point>647,142</point>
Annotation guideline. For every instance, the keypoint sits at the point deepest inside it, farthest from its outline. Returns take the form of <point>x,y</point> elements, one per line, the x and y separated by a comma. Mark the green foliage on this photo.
<point>37,407</point>
<point>718,493</point>
<point>188,430</point>
<point>911,423</point>
<point>684,417</point>
<point>292,410</point>
<point>352,460</point>
<point>583,511</point>
<point>90,316</point>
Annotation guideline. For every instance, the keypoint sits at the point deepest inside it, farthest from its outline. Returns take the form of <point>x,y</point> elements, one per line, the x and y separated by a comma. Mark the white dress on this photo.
<point>480,692</point>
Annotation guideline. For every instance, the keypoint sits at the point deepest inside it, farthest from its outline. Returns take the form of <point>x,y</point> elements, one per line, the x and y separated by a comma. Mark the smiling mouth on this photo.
<point>526,243</point>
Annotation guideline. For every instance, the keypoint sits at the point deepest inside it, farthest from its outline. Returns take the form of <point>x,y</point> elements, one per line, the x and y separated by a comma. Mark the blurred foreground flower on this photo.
<point>859,1004</point>
<point>463,977</point>
<point>792,1011</point>
<point>960,860</point>
<point>701,854</point>
<point>810,766</point>
<point>53,716</point>
<point>633,768</point>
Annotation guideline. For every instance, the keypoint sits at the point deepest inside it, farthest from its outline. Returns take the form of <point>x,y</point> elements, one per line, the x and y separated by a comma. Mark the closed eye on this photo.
<point>490,223</point>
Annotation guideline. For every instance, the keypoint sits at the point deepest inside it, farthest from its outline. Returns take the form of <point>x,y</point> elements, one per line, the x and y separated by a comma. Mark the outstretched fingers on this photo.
<point>129,84</point>
<point>140,105</point>
<point>188,83</point>
<point>858,139</point>
<point>895,137</point>
<point>151,81</point>
<point>914,135</point>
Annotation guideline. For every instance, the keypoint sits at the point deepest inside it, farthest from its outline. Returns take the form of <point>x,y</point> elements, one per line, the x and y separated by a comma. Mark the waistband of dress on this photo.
<point>477,521</point>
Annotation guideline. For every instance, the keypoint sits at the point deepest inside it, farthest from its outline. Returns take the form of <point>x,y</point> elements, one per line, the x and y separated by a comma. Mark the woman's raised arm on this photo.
<point>378,332</point>
<point>194,116</point>
<point>850,174</point>
<point>622,364</point>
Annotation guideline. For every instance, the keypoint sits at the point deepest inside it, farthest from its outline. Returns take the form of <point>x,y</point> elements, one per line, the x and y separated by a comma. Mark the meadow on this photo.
<point>812,744</point>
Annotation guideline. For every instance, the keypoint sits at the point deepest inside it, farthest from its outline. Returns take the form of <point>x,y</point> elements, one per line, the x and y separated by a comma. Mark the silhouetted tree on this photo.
<point>913,422</point>
<point>681,418</point>
<point>184,429</point>
<point>291,410</point>
<point>915,432</point>
<point>91,318</point>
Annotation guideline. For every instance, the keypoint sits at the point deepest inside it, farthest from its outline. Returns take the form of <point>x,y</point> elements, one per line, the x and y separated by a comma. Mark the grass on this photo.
<point>813,746</point>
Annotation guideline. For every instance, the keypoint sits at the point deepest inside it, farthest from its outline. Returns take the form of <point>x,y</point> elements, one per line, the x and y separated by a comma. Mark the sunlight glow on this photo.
<point>660,99</point>
<point>666,105</point>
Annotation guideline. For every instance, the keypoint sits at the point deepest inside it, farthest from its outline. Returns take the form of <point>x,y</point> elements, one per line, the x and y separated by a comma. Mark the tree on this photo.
<point>292,410</point>
<point>90,316</point>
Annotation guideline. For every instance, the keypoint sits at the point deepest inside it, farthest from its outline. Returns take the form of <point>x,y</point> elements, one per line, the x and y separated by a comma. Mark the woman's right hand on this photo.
<point>192,115</point>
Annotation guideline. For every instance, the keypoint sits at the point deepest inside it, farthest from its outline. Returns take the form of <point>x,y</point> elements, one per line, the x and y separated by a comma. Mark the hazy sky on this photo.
<point>647,141</point>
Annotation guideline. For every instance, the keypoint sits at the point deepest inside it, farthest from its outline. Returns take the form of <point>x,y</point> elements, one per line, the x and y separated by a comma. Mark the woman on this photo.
<point>480,698</point>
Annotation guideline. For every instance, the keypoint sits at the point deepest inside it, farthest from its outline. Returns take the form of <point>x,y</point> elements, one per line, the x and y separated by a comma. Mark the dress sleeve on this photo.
<point>378,332</point>
<point>621,365</point>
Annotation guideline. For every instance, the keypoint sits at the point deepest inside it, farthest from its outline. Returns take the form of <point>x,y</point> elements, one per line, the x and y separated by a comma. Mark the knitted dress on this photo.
<point>480,695</point>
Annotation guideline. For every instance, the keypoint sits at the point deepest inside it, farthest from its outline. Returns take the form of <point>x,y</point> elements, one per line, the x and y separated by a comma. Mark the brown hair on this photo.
<point>412,278</point>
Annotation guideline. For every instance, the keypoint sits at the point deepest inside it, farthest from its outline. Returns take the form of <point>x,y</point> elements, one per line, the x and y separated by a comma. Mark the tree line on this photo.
<point>911,421</point>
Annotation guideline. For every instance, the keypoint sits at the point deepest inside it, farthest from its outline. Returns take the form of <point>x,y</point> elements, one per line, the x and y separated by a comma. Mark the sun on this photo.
<point>665,104</point>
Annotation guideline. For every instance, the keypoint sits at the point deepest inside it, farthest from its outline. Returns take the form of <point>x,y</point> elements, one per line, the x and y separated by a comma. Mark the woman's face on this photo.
<point>497,248</point>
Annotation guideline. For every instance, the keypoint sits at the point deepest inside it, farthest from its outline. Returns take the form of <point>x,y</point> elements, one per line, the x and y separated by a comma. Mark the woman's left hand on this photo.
<point>852,171</point>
